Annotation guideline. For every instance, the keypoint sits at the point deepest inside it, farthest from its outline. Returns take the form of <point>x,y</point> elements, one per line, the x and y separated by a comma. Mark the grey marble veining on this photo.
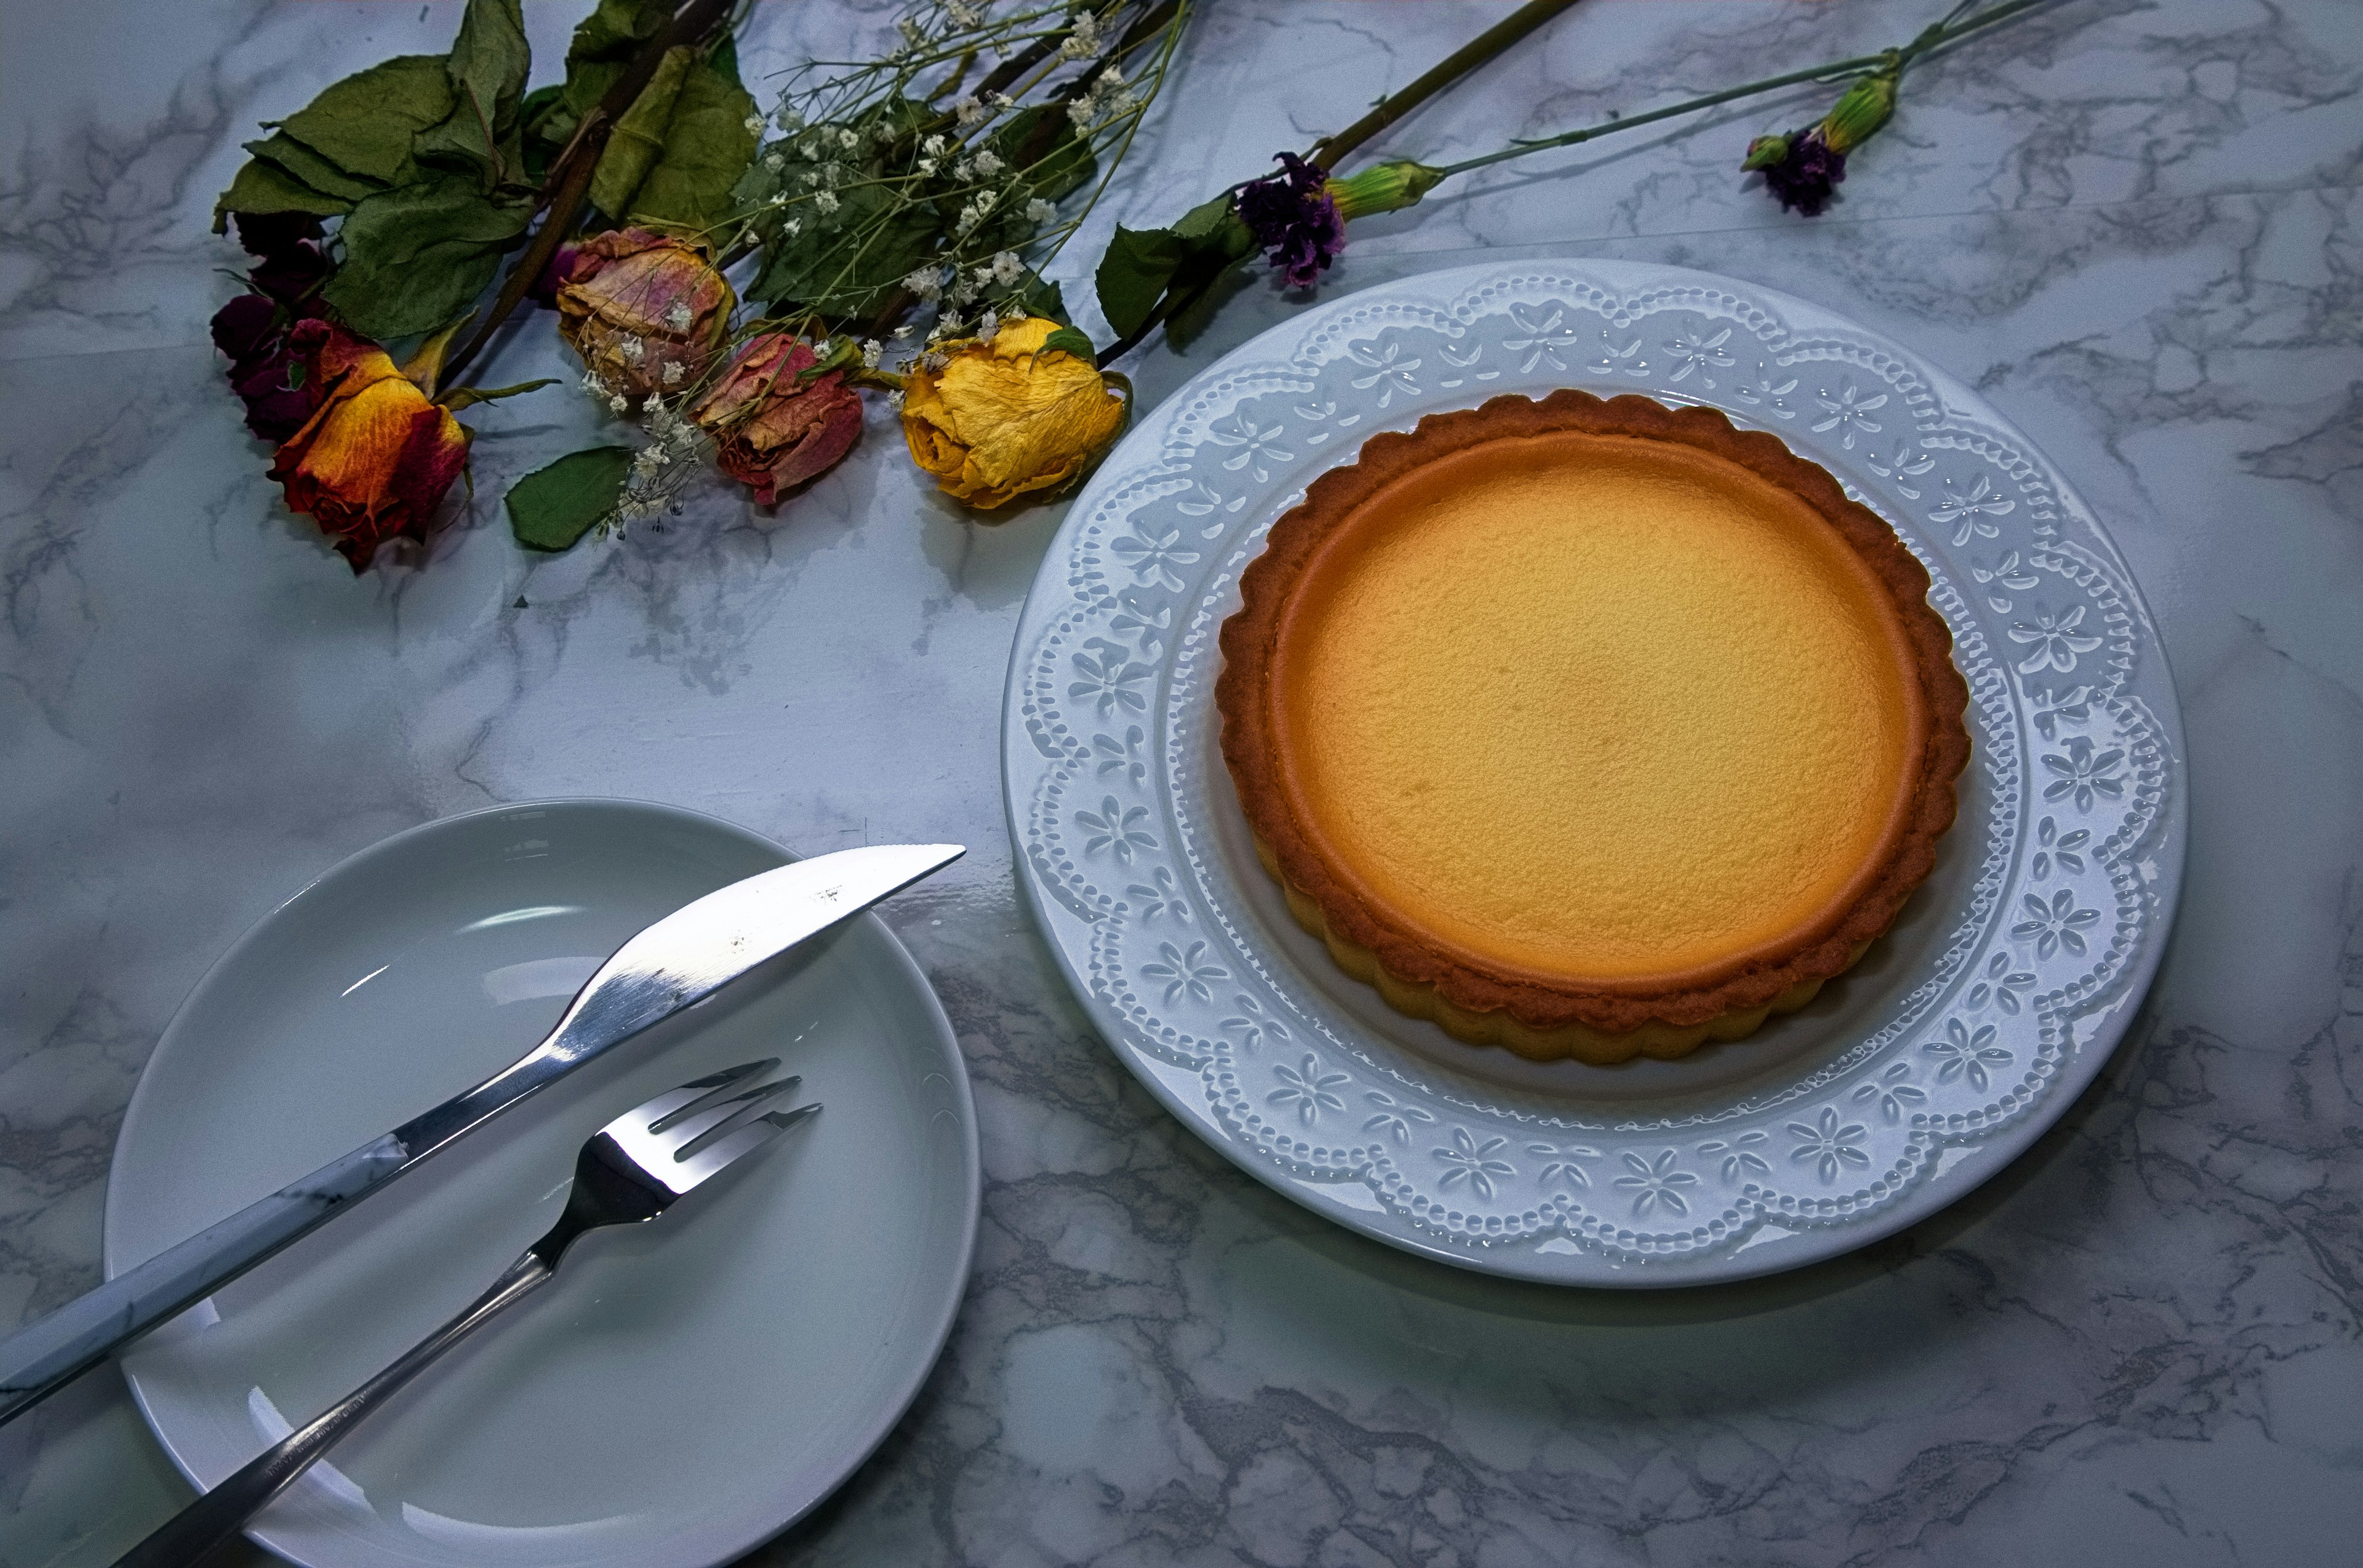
<point>2133,227</point>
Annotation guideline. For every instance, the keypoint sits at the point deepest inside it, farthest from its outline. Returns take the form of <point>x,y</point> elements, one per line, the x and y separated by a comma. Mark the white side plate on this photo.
<point>685,1388</point>
<point>1970,1027</point>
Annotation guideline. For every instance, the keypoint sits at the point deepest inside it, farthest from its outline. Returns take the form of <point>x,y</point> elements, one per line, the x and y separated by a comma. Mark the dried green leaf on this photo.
<point>604,43</point>
<point>638,139</point>
<point>707,147</point>
<point>1067,339</point>
<point>487,67</point>
<point>308,167</point>
<point>1040,146</point>
<point>1215,226</point>
<point>1133,272</point>
<point>364,124</point>
<point>544,126</point>
<point>847,264</point>
<point>416,257</point>
<point>1141,266</point>
<point>553,506</point>
<point>1042,297</point>
<point>266,187</point>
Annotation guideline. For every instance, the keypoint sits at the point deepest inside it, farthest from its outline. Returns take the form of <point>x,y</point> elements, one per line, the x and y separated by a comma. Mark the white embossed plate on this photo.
<point>684,1389</point>
<point>1968,1030</point>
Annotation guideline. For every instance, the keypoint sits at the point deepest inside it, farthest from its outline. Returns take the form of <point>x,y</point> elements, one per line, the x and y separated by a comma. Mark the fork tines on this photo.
<point>684,1136</point>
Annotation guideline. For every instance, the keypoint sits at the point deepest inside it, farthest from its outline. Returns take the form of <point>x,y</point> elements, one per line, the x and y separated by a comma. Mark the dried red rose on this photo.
<point>772,431</point>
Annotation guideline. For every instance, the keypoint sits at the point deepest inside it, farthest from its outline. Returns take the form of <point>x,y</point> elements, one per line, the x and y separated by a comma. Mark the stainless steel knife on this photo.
<point>681,960</point>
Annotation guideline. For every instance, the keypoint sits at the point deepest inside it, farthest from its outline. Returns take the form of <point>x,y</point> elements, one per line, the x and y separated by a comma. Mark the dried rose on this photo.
<point>375,460</point>
<point>772,430</point>
<point>252,329</point>
<point>1294,219</point>
<point>1000,418</point>
<point>646,311</point>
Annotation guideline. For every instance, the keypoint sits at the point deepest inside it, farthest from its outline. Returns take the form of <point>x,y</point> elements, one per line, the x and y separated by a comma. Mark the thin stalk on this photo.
<point>1930,40</point>
<point>1330,149</point>
<point>1444,73</point>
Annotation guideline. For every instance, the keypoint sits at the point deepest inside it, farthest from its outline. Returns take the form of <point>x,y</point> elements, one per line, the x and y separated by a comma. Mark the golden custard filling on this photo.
<point>1596,708</point>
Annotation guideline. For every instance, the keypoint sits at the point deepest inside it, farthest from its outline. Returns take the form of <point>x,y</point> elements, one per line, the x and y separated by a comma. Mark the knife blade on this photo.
<point>677,961</point>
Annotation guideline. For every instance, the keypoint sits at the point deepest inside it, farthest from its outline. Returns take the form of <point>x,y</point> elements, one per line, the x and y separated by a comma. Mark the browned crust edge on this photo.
<point>1242,694</point>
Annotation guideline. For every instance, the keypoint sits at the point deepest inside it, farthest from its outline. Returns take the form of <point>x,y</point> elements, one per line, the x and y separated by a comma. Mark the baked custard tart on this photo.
<point>1591,728</point>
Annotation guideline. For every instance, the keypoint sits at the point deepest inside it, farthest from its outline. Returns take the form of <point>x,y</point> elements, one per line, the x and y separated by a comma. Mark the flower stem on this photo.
<point>1930,40</point>
<point>1330,148</point>
<point>1446,71</point>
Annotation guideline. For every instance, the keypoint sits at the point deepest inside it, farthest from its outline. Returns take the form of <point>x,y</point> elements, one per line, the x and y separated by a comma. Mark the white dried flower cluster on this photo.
<point>1106,96</point>
<point>824,200</point>
<point>678,316</point>
<point>969,113</point>
<point>978,209</point>
<point>1006,269</point>
<point>1085,40</point>
<point>870,353</point>
<point>755,124</point>
<point>933,146</point>
<point>848,139</point>
<point>928,283</point>
<point>986,328</point>
<point>963,15</point>
<point>662,468</point>
<point>775,161</point>
<point>989,164</point>
<point>1039,211</point>
<point>788,120</point>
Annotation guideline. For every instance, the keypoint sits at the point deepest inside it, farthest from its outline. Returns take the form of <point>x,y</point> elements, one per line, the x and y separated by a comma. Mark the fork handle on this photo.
<point>212,1518</point>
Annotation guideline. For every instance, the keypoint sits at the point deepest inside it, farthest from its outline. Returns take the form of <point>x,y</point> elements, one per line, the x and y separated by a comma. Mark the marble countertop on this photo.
<point>2134,226</point>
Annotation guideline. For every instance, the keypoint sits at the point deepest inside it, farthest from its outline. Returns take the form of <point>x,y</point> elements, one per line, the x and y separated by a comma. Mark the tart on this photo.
<point>1591,728</point>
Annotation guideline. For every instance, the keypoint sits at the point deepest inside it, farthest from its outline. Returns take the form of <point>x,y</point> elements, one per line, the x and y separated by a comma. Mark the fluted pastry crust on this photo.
<point>1534,1014</point>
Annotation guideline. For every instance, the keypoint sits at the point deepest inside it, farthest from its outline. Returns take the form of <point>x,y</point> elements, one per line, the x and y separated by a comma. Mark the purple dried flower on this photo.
<point>1294,219</point>
<point>1804,176</point>
<point>264,371</point>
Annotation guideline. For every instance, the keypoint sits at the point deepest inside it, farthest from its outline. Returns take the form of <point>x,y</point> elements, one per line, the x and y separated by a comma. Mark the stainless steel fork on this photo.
<point>630,1169</point>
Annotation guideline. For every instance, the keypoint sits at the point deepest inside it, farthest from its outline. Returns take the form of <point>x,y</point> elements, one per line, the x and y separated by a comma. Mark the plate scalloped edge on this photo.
<point>1107,732</point>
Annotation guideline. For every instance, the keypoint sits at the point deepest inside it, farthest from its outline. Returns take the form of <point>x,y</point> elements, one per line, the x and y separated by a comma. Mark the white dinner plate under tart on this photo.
<point>1966,1030</point>
<point>684,1389</point>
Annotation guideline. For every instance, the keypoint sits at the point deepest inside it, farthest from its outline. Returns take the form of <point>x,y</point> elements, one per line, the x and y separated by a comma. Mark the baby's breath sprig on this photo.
<point>673,455</point>
<point>909,186</point>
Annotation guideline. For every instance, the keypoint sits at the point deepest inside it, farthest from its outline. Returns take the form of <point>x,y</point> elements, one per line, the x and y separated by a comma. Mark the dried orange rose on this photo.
<point>375,460</point>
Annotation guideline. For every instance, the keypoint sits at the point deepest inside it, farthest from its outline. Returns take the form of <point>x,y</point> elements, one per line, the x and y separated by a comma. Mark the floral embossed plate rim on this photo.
<point>1967,1032</point>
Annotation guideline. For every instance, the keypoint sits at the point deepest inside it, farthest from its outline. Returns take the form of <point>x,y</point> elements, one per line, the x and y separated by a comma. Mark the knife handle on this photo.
<point>38,1359</point>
